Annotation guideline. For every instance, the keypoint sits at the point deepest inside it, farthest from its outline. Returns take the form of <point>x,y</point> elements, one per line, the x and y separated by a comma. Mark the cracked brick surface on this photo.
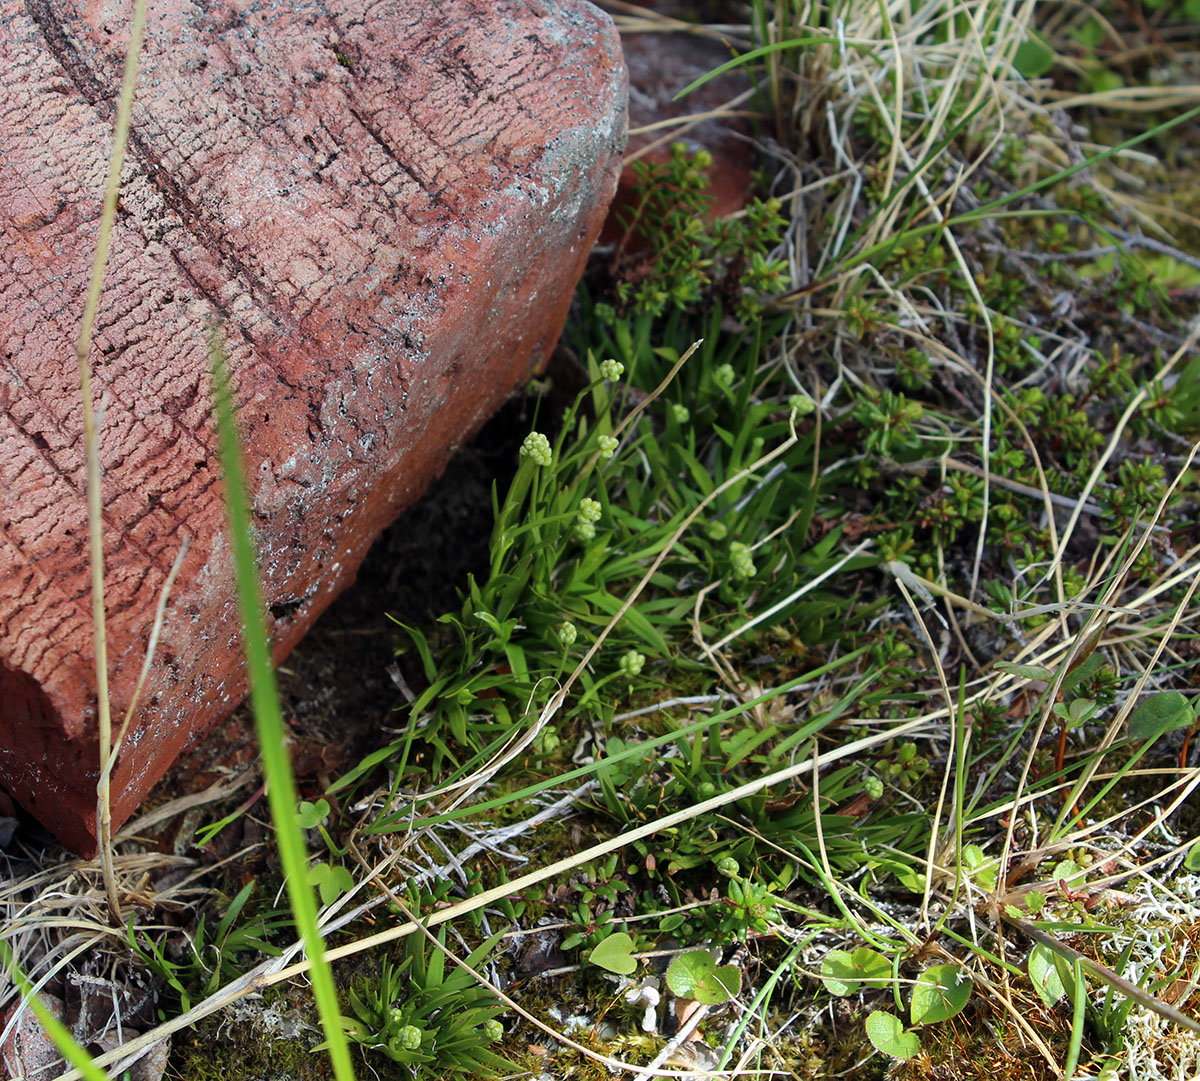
<point>385,206</point>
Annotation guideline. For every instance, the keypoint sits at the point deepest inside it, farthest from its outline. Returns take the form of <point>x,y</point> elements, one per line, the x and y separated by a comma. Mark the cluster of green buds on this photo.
<point>752,907</point>
<point>585,521</point>
<point>608,445</point>
<point>901,764</point>
<point>680,412</point>
<point>536,447</point>
<point>612,370</point>
<point>408,1038</point>
<point>741,560</point>
<point>567,633</point>
<point>632,663</point>
<point>724,376</point>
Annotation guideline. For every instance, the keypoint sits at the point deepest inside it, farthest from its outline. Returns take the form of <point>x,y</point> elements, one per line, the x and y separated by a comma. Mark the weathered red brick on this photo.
<point>386,205</point>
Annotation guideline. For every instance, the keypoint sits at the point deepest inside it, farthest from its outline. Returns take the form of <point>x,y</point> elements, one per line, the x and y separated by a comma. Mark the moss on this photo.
<point>267,1039</point>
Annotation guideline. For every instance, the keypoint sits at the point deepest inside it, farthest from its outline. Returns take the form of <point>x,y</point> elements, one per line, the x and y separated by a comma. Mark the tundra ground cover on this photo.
<point>848,648</point>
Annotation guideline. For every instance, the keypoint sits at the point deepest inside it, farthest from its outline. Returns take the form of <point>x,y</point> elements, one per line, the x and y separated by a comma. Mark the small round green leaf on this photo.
<point>940,993</point>
<point>615,954</point>
<point>311,815</point>
<point>838,973</point>
<point>696,975</point>
<point>1033,57</point>
<point>1067,871</point>
<point>687,970</point>
<point>1159,714</point>
<point>843,972</point>
<point>885,1031</point>
<point>1046,981</point>
<point>331,881</point>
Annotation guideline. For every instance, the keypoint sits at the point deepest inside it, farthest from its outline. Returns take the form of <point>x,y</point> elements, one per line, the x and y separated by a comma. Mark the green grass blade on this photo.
<point>1079,1001</point>
<point>268,717</point>
<point>768,50</point>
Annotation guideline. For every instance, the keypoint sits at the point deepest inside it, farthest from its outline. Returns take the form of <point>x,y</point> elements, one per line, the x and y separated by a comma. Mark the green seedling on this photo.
<point>940,993</point>
<point>432,1021</point>
<point>213,957</point>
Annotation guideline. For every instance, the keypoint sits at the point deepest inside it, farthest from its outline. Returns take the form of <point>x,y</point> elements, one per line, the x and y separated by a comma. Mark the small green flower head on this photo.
<point>728,867</point>
<point>605,313</point>
<point>716,529</point>
<point>567,633</point>
<point>632,663</point>
<point>724,376</point>
<point>395,1016</point>
<point>608,446</point>
<point>584,532</point>
<point>536,447</point>
<point>681,413</point>
<point>872,786</point>
<point>589,510</point>
<point>493,1029</point>
<point>409,1037</point>
<point>612,370</point>
<point>741,560</point>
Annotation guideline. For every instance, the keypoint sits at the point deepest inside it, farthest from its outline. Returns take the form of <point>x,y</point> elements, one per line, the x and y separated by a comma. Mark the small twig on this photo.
<point>681,1037</point>
<point>91,440</point>
<point>1058,500</point>
<point>1129,240</point>
<point>151,648</point>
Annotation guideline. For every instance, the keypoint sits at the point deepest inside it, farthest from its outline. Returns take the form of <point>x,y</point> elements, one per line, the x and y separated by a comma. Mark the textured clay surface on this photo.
<point>386,207</point>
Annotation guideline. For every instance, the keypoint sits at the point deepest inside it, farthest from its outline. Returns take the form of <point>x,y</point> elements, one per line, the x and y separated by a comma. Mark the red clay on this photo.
<point>386,206</point>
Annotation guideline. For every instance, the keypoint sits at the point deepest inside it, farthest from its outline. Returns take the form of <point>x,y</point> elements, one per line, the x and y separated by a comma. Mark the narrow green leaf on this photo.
<point>59,1034</point>
<point>765,50</point>
<point>268,715</point>
<point>1044,974</point>
<point>1026,671</point>
<point>1084,670</point>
